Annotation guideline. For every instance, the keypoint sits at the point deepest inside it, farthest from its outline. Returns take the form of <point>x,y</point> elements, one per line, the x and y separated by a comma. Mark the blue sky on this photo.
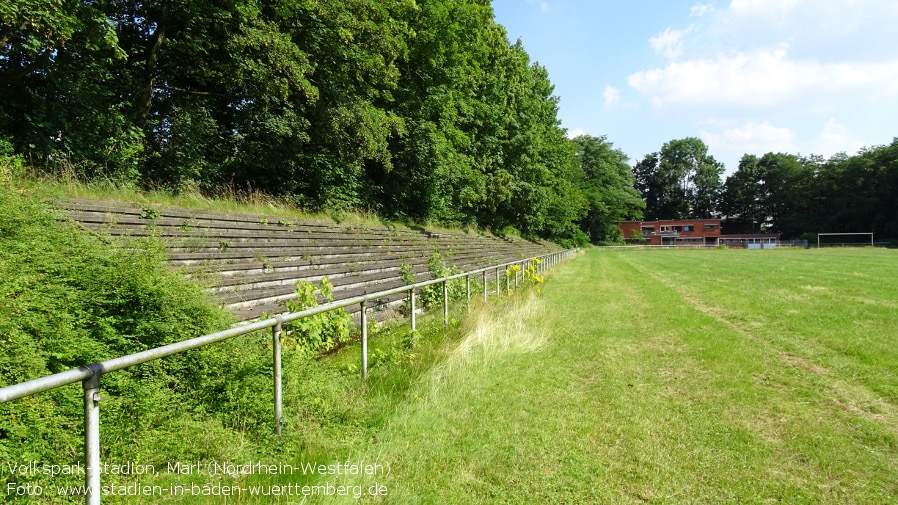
<point>746,76</point>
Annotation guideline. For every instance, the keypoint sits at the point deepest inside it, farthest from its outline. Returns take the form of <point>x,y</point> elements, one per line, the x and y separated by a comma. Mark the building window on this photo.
<point>648,229</point>
<point>688,228</point>
<point>710,226</point>
<point>665,228</point>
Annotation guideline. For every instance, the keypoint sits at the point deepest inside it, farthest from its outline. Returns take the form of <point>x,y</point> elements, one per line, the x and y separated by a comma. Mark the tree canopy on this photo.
<point>416,110</point>
<point>682,180</point>
<point>781,193</point>
<point>795,195</point>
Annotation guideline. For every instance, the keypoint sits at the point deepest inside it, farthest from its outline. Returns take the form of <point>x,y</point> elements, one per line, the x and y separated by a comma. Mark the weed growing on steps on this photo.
<point>322,332</point>
<point>432,296</point>
<point>147,212</point>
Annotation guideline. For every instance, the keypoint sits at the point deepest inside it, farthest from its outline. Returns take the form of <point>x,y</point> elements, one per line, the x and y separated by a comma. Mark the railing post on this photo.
<point>484,286</point>
<point>498,284</point>
<point>278,374</point>
<point>445,303</point>
<point>364,341</point>
<point>91,388</point>
<point>468,293</point>
<point>413,308</point>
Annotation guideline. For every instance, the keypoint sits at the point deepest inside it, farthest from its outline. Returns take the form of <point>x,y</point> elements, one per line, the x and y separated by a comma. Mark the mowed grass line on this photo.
<point>612,386</point>
<point>832,312</point>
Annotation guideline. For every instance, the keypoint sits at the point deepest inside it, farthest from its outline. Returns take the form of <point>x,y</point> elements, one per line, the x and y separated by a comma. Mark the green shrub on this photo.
<point>322,332</point>
<point>11,164</point>
<point>432,296</point>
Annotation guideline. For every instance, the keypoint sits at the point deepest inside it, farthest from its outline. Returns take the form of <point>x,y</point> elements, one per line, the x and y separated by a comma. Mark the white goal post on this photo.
<point>853,243</point>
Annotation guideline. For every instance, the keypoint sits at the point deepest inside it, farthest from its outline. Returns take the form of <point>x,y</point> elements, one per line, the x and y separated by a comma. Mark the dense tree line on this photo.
<point>416,110</point>
<point>779,193</point>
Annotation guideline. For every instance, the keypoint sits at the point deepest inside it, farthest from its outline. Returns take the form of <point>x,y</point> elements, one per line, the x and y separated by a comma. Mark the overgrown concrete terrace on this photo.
<point>252,262</point>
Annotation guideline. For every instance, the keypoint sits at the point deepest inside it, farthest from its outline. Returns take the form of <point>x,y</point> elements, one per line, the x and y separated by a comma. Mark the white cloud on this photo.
<point>836,138</point>
<point>669,43</point>
<point>760,138</point>
<point>576,132</point>
<point>752,138</point>
<point>612,95</point>
<point>762,77</point>
<point>699,10</point>
<point>772,52</point>
<point>827,29</point>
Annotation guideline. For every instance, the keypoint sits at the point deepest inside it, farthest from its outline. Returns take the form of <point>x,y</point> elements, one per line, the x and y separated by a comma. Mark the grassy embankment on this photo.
<point>664,377</point>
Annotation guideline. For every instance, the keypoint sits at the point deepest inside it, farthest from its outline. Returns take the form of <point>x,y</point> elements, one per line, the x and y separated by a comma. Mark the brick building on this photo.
<point>673,231</point>
<point>694,232</point>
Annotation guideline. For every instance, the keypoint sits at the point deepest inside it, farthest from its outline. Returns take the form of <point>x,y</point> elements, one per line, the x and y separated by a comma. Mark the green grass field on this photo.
<point>721,376</point>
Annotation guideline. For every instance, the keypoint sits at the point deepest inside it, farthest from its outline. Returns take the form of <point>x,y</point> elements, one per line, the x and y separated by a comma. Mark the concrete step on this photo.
<point>253,261</point>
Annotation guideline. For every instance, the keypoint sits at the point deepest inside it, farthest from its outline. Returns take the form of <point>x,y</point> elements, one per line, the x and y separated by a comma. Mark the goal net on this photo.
<point>844,239</point>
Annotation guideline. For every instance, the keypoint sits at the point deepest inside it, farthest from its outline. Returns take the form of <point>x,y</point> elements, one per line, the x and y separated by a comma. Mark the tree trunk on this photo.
<point>145,100</point>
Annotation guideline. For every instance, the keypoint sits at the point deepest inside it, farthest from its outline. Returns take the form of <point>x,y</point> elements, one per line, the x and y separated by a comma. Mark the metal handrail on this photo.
<point>89,375</point>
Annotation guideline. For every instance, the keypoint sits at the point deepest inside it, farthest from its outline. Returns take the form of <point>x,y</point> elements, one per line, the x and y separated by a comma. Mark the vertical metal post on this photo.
<point>445,303</point>
<point>484,286</point>
<point>413,310</point>
<point>91,388</point>
<point>364,341</point>
<point>278,373</point>
<point>498,284</point>
<point>468,293</point>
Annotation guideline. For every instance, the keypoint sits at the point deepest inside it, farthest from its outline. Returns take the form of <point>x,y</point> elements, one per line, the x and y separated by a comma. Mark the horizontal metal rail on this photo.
<point>89,375</point>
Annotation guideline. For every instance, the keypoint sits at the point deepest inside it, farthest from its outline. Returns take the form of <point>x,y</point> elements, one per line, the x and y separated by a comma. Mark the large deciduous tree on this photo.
<point>607,186</point>
<point>680,181</point>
